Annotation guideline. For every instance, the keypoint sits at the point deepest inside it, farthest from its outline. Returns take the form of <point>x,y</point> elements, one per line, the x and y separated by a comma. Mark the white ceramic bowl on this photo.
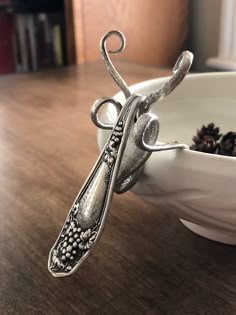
<point>199,188</point>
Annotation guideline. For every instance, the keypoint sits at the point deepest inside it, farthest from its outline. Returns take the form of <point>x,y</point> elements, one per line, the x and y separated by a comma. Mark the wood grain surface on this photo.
<point>155,30</point>
<point>146,262</point>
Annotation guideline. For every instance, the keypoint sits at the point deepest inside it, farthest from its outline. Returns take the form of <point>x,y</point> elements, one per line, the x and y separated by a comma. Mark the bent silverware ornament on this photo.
<point>119,166</point>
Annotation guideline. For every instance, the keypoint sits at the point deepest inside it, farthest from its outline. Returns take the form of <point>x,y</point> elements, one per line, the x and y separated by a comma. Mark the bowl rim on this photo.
<point>189,76</point>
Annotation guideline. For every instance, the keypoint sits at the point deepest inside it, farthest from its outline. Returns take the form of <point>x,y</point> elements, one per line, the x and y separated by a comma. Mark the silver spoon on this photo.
<point>118,167</point>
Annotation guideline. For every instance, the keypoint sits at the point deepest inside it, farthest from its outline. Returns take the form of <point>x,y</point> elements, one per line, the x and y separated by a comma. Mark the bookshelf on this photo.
<point>67,32</point>
<point>32,35</point>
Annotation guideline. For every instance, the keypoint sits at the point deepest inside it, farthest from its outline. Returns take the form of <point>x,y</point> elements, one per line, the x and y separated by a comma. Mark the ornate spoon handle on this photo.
<point>118,167</point>
<point>85,221</point>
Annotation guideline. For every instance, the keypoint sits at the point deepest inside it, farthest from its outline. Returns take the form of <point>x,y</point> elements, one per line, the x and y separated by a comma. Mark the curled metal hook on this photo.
<point>95,109</point>
<point>180,69</point>
<point>143,134</point>
<point>110,67</point>
<point>149,124</point>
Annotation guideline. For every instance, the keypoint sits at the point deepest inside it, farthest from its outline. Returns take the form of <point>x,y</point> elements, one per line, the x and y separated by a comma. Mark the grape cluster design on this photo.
<point>70,244</point>
<point>76,241</point>
<point>111,150</point>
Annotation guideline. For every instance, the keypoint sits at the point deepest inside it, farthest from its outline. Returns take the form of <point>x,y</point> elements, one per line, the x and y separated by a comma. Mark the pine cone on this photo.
<point>206,139</point>
<point>227,145</point>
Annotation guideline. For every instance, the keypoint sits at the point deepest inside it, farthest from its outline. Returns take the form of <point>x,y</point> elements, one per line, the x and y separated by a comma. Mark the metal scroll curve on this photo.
<point>96,107</point>
<point>180,69</point>
<point>110,67</point>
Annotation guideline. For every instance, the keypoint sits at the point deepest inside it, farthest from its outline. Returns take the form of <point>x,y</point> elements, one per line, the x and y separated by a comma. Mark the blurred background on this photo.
<point>36,35</point>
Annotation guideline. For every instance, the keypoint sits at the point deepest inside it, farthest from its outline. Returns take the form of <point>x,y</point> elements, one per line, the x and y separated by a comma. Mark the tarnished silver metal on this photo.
<point>119,166</point>
<point>97,105</point>
<point>111,69</point>
<point>181,68</point>
<point>86,218</point>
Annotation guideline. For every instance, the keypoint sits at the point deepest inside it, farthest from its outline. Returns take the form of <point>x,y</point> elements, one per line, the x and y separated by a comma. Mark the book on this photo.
<point>7,64</point>
<point>32,42</point>
<point>44,41</point>
<point>21,43</point>
<point>57,45</point>
<point>16,48</point>
<point>38,41</point>
<point>56,21</point>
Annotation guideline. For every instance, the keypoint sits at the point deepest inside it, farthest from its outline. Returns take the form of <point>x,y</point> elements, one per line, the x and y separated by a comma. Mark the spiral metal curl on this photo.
<point>111,69</point>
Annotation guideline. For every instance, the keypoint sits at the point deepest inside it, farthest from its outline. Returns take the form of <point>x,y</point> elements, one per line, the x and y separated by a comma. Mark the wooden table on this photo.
<point>146,262</point>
